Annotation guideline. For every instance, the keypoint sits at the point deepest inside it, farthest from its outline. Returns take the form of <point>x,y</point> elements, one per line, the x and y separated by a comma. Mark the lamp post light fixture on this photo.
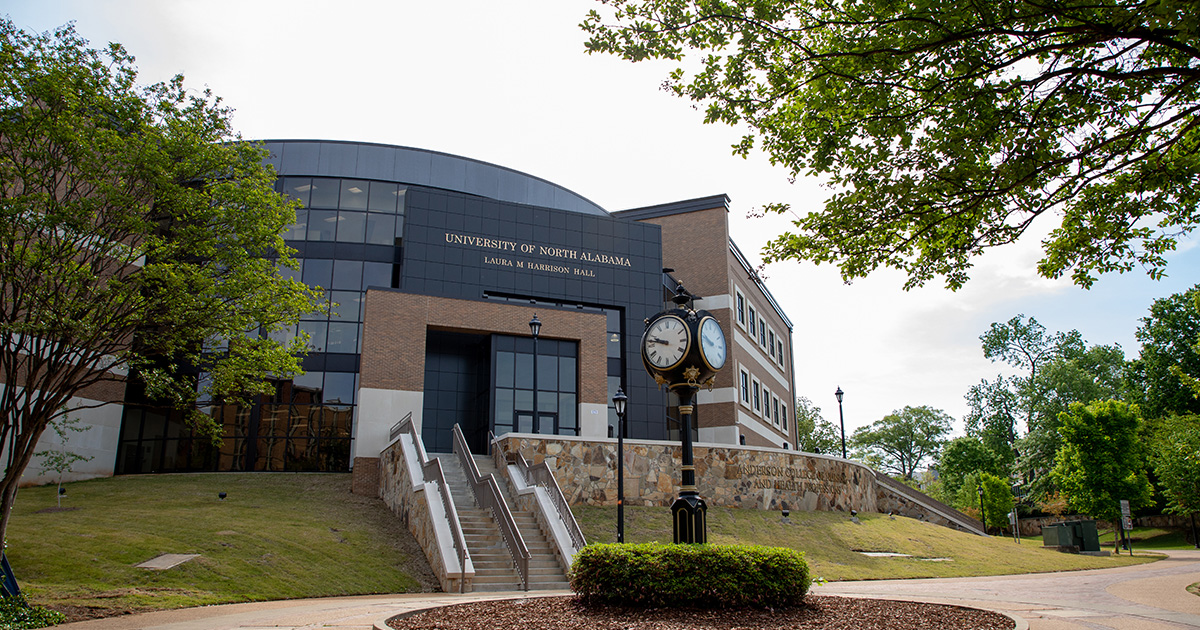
<point>619,401</point>
<point>535,326</point>
<point>839,393</point>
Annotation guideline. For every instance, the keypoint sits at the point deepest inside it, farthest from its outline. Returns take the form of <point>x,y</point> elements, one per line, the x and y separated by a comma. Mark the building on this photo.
<point>436,263</point>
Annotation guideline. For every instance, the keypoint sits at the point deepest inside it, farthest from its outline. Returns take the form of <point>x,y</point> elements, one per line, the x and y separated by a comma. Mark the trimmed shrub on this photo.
<point>698,576</point>
<point>15,614</point>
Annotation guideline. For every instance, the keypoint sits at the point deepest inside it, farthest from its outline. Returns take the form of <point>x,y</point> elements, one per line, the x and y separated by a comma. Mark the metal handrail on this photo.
<point>488,497</point>
<point>431,472</point>
<point>931,503</point>
<point>541,475</point>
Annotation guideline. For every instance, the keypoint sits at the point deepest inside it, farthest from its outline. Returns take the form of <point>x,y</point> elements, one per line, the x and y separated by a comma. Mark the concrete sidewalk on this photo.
<point>344,613</point>
<point>1143,597</point>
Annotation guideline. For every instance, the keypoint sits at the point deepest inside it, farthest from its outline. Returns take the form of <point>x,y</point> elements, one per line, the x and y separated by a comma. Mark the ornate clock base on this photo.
<point>688,514</point>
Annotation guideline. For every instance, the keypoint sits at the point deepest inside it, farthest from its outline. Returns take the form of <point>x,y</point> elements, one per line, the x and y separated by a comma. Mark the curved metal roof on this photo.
<point>421,167</point>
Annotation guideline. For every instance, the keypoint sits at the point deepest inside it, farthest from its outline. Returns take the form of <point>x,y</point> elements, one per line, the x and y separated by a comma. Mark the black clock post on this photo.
<point>683,348</point>
<point>688,512</point>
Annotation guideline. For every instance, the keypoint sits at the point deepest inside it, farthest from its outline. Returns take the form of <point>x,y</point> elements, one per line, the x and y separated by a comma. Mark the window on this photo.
<point>783,416</point>
<point>757,393</point>
<point>741,309</point>
<point>779,355</point>
<point>745,382</point>
<point>751,318</point>
<point>775,409</point>
<point>771,343</point>
<point>762,333</point>
<point>766,403</point>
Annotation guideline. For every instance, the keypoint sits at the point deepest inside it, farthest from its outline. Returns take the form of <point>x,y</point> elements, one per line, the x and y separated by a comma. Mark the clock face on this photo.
<point>666,342</point>
<point>712,343</point>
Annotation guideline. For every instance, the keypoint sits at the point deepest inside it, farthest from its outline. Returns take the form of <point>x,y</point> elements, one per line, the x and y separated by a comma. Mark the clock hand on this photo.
<point>657,340</point>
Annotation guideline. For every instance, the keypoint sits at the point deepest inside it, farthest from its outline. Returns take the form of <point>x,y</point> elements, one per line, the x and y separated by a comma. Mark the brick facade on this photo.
<point>692,232</point>
<point>393,355</point>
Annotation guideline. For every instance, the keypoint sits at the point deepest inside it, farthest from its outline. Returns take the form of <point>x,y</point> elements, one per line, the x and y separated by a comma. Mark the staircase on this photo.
<point>494,570</point>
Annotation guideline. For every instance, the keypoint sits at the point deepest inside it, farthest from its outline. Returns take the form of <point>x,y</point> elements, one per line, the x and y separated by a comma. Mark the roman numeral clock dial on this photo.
<point>666,342</point>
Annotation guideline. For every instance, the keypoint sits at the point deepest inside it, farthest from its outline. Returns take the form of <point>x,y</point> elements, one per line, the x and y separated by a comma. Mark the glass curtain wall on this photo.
<point>348,234</point>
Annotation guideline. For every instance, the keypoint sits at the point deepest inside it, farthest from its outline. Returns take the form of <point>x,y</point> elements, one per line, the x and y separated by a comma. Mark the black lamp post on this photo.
<point>839,393</point>
<point>619,401</point>
<point>982,514</point>
<point>535,326</point>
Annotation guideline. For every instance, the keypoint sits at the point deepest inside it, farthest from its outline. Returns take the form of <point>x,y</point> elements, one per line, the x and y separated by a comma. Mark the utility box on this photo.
<point>1073,536</point>
<point>1056,535</point>
<point>1086,535</point>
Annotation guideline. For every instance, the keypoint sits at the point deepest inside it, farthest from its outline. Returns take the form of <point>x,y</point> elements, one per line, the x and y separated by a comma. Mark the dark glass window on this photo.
<point>298,231</point>
<point>316,335</point>
<point>354,195</point>
<point>377,275</point>
<point>347,275</point>
<point>322,225</point>
<point>557,383</point>
<point>298,188</point>
<point>351,226</point>
<point>349,306</point>
<point>324,193</point>
<point>381,229</point>
<point>318,272</point>
<point>383,197</point>
<point>343,337</point>
<point>339,387</point>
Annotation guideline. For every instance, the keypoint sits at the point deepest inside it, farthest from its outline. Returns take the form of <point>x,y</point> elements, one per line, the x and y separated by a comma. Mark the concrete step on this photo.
<point>550,586</point>
<point>491,588</point>
<point>494,570</point>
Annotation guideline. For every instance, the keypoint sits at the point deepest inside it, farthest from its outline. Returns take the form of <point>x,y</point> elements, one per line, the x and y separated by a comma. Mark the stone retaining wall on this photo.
<point>744,477</point>
<point>410,504</point>
<point>760,478</point>
<point>1033,526</point>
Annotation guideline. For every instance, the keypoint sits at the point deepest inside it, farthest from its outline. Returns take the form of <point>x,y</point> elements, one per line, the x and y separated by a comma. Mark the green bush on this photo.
<point>700,576</point>
<point>16,614</point>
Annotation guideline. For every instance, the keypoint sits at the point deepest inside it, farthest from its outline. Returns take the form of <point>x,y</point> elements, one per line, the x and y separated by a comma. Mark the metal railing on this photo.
<point>431,472</point>
<point>973,525</point>
<point>541,475</point>
<point>488,497</point>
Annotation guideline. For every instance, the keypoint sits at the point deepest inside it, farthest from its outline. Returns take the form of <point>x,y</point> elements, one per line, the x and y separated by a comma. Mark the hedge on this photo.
<point>697,576</point>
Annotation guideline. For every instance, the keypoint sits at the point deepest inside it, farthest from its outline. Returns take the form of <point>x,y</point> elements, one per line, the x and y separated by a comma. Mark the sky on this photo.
<point>510,83</point>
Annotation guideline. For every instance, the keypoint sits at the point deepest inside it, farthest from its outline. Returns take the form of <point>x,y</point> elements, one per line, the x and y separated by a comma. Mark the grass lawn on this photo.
<point>832,543</point>
<point>281,535</point>
<point>1151,538</point>
<point>275,536</point>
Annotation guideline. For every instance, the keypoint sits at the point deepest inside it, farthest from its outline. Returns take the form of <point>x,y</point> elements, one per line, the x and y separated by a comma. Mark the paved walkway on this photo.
<point>1143,597</point>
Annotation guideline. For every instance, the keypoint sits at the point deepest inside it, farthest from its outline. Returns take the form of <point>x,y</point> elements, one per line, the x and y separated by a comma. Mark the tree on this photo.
<point>1060,368</point>
<point>814,434</point>
<point>1101,460</point>
<point>1024,344</point>
<point>1081,374</point>
<point>993,408</point>
<point>1168,336</point>
<point>997,498</point>
<point>136,229</point>
<point>1176,458</point>
<point>965,456</point>
<point>947,128</point>
<point>61,458</point>
<point>901,441</point>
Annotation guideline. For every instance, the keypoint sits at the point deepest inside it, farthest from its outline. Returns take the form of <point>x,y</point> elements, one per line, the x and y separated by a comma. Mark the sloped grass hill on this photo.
<point>274,536</point>
<point>834,545</point>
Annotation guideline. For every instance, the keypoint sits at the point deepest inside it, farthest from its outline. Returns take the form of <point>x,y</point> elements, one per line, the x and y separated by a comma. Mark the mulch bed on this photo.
<point>819,612</point>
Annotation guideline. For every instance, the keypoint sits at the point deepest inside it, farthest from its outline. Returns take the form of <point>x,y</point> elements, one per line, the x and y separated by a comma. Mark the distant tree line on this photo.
<point>1078,428</point>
